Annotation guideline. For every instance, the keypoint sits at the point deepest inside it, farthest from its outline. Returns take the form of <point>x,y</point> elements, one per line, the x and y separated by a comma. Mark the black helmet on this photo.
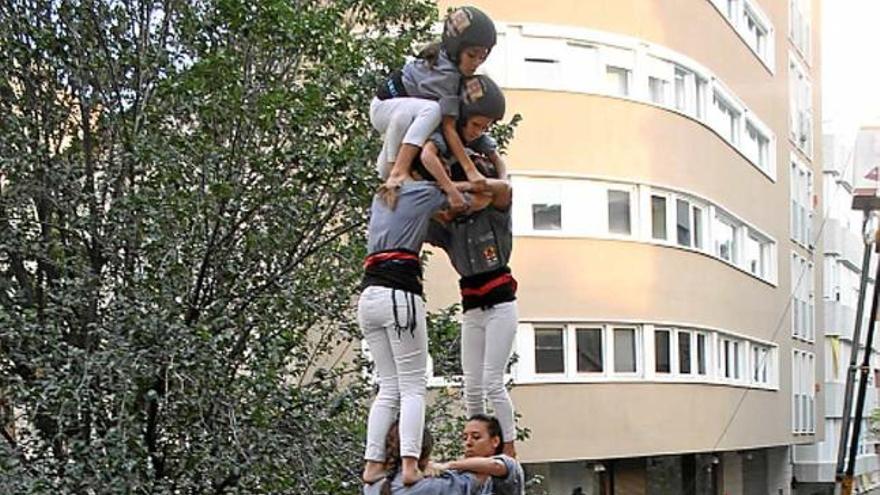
<point>483,164</point>
<point>481,96</point>
<point>465,27</point>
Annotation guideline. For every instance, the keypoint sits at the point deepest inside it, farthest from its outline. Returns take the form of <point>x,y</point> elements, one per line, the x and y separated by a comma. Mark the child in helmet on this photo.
<point>412,102</point>
<point>482,104</point>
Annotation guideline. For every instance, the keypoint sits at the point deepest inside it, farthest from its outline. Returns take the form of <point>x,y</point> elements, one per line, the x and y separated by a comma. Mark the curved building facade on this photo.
<point>664,240</point>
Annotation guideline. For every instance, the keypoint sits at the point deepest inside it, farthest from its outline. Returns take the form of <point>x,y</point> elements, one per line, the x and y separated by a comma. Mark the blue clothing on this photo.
<point>406,226</point>
<point>460,483</point>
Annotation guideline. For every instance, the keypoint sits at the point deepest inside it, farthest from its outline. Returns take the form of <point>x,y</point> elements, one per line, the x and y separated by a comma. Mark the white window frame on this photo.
<point>801,195</point>
<point>582,57</point>
<point>800,27</point>
<point>736,13</point>
<point>524,370</point>
<point>803,314</point>
<point>633,208</point>
<point>727,117</point>
<point>801,125</point>
<point>603,331</point>
<point>803,386</point>
<point>566,344</point>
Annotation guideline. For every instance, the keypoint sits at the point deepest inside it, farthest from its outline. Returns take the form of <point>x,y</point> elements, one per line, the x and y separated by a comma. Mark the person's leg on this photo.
<point>418,119</point>
<point>410,348</point>
<point>473,347</point>
<point>374,316</point>
<point>500,327</point>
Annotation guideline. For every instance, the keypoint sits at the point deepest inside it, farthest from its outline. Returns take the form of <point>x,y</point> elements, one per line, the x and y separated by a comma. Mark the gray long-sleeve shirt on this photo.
<point>440,82</point>
<point>406,226</point>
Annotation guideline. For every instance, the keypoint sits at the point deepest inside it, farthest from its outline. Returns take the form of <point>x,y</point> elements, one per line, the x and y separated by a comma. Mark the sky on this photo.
<point>850,64</point>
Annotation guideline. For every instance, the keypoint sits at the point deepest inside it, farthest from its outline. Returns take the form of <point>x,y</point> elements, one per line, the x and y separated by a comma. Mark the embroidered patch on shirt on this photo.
<point>490,254</point>
<point>458,21</point>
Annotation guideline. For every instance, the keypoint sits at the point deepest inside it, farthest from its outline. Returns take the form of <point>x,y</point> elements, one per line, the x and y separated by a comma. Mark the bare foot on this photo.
<point>411,477</point>
<point>478,182</point>
<point>373,472</point>
<point>409,471</point>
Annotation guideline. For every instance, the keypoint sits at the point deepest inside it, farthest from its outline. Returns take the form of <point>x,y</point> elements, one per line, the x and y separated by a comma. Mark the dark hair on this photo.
<point>494,428</point>
<point>430,53</point>
<point>392,454</point>
<point>483,165</point>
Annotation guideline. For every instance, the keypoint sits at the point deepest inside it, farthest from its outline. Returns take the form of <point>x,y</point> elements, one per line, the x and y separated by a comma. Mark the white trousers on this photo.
<point>402,120</point>
<point>401,358</point>
<point>486,344</point>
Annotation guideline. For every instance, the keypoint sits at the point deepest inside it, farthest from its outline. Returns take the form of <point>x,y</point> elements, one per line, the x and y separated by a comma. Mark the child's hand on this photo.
<point>393,181</point>
<point>457,203</point>
<point>478,186</point>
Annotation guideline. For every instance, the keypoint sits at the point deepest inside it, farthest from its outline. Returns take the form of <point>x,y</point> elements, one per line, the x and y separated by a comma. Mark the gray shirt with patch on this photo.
<point>440,82</point>
<point>460,483</point>
<point>477,243</point>
<point>406,226</point>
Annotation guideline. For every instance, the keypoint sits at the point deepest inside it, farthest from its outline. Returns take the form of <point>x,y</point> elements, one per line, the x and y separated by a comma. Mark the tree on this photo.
<point>183,187</point>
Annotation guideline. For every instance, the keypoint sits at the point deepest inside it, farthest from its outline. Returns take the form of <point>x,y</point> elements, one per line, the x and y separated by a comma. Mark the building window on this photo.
<point>803,392</point>
<point>546,216</point>
<point>757,253</point>
<point>579,353</point>
<point>658,217</point>
<point>801,106</point>
<point>619,220</point>
<point>684,352</point>
<point>702,365</point>
<point>801,204</point>
<point>657,88</point>
<point>698,227</point>
<point>725,239</point>
<point>799,27</point>
<point>683,222</point>
<point>700,99</point>
<point>618,80</point>
<point>760,364</point>
<point>731,9</point>
<point>589,350</point>
<point>730,359</point>
<point>803,298</point>
<point>727,120</point>
<point>549,350</point>
<point>756,32</point>
<point>624,350</point>
<point>662,351</point>
<point>757,147</point>
<point>681,83</point>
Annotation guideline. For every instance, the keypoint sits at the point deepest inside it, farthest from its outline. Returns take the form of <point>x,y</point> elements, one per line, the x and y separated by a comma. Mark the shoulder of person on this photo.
<point>512,465</point>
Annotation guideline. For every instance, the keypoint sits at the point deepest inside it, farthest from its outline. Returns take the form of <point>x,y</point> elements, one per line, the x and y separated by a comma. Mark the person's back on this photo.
<point>449,483</point>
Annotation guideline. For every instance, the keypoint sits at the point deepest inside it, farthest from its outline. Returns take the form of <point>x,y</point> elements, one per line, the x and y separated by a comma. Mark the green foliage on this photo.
<point>183,190</point>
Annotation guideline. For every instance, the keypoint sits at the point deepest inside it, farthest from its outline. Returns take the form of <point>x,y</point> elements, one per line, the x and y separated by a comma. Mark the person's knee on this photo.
<point>389,390</point>
<point>431,114</point>
<point>399,122</point>
<point>496,389</point>
<point>413,385</point>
